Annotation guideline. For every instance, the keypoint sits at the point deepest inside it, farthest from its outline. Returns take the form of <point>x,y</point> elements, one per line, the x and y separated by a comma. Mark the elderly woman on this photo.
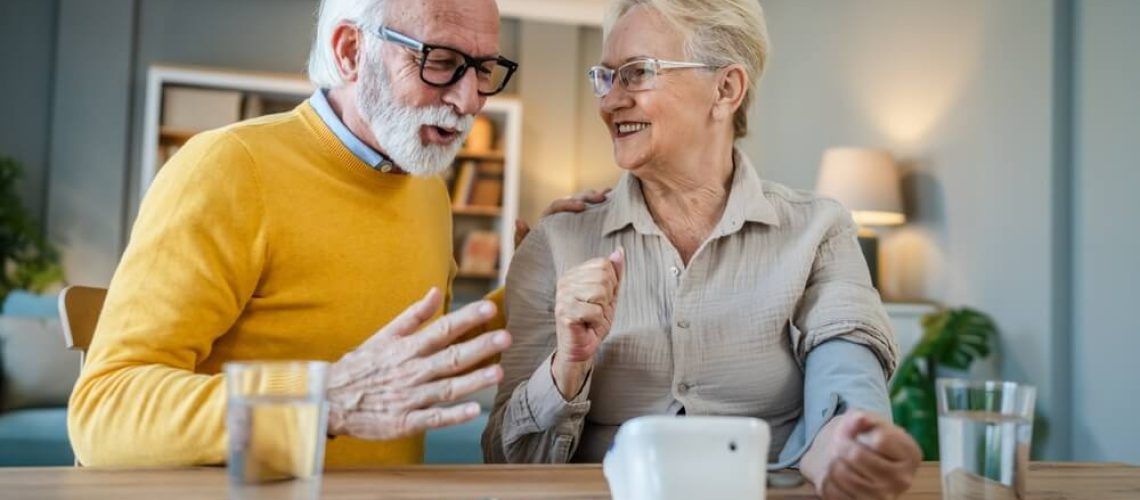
<point>698,288</point>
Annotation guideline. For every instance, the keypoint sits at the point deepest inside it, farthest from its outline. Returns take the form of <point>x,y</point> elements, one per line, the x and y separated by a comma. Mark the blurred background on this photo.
<point>1008,128</point>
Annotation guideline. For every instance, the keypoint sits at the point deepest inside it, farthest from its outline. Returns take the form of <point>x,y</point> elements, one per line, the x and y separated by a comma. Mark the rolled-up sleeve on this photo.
<point>531,421</point>
<point>842,337</point>
<point>839,301</point>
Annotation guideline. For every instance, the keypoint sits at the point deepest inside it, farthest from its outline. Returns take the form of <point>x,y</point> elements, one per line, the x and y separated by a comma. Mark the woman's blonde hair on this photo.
<point>716,32</point>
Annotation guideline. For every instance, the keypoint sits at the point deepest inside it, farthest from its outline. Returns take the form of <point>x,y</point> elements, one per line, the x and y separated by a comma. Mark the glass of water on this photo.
<point>276,419</point>
<point>984,431</point>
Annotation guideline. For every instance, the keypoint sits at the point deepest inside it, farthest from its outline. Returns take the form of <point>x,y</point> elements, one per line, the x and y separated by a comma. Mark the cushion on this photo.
<point>34,437</point>
<point>22,303</point>
<point>37,369</point>
<point>458,444</point>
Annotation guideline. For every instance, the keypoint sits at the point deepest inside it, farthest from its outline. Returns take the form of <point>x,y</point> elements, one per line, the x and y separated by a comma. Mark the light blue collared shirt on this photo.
<point>373,158</point>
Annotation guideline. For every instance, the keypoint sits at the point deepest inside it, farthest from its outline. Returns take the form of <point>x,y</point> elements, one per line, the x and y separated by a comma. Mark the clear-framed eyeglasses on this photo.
<point>636,75</point>
<point>442,66</point>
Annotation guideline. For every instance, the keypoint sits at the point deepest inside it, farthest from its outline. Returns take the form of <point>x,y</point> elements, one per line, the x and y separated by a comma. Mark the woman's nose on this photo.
<point>617,98</point>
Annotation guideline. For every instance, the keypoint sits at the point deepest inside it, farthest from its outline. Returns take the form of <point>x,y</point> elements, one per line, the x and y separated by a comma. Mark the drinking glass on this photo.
<point>276,419</point>
<point>984,432</point>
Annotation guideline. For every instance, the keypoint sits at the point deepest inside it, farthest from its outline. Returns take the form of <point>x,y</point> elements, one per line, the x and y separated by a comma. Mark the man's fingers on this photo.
<point>453,388</point>
<point>521,230</point>
<point>434,418</point>
<point>593,196</point>
<point>410,320</point>
<point>564,205</point>
<point>457,358</point>
<point>449,327</point>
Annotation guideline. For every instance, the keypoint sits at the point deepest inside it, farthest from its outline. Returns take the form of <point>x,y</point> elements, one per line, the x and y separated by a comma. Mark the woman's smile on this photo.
<point>626,129</point>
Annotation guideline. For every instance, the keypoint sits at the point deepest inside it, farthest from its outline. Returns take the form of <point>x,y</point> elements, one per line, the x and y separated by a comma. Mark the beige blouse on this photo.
<point>728,335</point>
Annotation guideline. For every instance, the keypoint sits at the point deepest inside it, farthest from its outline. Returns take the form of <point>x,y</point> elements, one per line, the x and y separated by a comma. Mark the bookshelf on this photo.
<point>182,101</point>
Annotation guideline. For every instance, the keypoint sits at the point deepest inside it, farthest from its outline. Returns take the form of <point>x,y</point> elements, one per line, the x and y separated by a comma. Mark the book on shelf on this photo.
<point>481,138</point>
<point>464,183</point>
<point>488,192</point>
<point>252,107</point>
<point>480,253</point>
<point>195,110</point>
<point>491,168</point>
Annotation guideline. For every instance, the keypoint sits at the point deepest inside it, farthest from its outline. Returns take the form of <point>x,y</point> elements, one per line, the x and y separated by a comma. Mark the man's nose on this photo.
<point>463,95</point>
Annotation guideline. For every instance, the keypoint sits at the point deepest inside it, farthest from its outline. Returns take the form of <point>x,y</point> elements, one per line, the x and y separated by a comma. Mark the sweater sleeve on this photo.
<point>194,260</point>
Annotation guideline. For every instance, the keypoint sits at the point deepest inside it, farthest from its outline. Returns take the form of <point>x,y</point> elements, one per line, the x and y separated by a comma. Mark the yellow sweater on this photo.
<point>264,240</point>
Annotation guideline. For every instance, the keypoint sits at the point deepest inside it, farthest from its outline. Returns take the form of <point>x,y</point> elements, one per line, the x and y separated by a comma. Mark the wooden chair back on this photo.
<point>79,308</point>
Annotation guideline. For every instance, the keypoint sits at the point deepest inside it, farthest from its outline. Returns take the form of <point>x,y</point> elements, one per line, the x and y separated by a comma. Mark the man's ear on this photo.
<point>347,43</point>
<point>732,85</point>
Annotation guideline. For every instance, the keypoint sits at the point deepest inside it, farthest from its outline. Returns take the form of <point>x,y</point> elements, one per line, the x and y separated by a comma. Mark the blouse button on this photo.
<point>675,270</point>
<point>682,388</point>
<point>683,324</point>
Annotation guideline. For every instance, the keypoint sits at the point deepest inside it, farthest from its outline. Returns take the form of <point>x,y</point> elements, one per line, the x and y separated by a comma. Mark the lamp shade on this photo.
<point>865,181</point>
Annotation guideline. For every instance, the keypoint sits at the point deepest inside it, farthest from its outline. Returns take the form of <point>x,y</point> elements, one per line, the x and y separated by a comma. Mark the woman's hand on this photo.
<point>583,312</point>
<point>860,455</point>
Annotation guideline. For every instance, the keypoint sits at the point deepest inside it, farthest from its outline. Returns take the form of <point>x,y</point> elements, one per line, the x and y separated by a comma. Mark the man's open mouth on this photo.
<point>434,134</point>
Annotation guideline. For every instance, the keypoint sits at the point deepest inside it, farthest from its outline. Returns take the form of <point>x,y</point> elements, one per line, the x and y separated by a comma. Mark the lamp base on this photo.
<point>869,244</point>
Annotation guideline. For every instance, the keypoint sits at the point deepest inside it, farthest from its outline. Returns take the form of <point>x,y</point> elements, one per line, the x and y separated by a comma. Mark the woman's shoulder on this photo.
<point>569,237</point>
<point>576,224</point>
<point>799,207</point>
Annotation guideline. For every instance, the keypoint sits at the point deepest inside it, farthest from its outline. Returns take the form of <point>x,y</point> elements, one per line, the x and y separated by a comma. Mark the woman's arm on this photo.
<point>848,351</point>
<point>531,421</point>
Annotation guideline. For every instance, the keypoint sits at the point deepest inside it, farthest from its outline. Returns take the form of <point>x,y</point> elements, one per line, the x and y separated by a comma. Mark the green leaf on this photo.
<point>954,338</point>
<point>27,260</point>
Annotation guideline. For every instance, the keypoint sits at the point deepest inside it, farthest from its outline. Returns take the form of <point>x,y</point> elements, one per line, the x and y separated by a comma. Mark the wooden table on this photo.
<point>1046,481</point>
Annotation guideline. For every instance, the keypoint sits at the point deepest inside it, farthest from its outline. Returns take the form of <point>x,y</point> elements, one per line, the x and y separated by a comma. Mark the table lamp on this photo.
<point>866,181</point>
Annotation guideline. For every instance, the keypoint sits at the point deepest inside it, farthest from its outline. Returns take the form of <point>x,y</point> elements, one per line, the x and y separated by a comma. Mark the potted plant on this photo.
<point>28,261</point>
<point>953,339</point>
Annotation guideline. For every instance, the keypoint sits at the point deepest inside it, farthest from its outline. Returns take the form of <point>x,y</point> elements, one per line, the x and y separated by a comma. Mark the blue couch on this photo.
<point>38,436</point>
<point>33,436</point>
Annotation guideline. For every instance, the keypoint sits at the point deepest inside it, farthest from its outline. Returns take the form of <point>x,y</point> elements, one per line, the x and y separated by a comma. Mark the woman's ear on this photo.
<point>731,88</point>
<point>347,44</point>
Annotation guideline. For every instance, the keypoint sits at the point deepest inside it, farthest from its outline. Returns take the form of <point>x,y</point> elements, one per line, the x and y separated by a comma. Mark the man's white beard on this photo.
<point>396,127</point>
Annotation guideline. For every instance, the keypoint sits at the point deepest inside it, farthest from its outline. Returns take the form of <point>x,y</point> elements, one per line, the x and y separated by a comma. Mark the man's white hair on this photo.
<point>323,70</point>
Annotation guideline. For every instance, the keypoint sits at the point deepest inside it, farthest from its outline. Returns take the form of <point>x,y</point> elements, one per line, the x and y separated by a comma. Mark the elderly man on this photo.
<point>306,235</point>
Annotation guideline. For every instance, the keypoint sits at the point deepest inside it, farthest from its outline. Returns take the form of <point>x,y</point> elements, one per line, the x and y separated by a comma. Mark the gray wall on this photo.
<point>1106,336</point>
<point>971,95</point>
<point>27,50</point>
<point>89,143</point>
<point>962,93</point>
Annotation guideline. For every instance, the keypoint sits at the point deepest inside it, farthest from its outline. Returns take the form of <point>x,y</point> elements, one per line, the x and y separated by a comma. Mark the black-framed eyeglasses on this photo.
<point>441,66</point>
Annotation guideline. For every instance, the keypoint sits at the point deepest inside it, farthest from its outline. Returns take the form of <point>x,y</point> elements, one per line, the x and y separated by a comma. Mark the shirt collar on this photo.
<point>747,202</point>
<point>364,152</point>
